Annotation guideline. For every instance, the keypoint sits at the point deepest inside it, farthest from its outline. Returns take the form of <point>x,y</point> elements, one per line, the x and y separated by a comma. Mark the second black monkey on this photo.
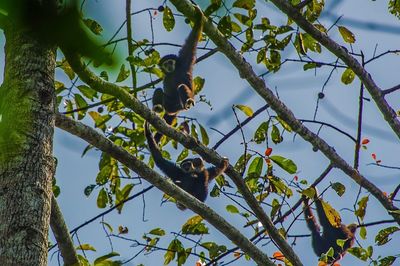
<point>178,92</point>
<point>191,175</point>
<point>321,243</point>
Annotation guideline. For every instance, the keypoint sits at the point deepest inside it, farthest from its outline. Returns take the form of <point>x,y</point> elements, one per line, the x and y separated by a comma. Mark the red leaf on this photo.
<point>268,151</point>
<point>278,256</point>
<point>365,141</point>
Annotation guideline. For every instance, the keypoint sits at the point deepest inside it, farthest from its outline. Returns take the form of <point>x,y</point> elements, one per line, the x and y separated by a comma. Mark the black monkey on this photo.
<point>190,175</point>
<point>178,93</point>
<point>331,233</point>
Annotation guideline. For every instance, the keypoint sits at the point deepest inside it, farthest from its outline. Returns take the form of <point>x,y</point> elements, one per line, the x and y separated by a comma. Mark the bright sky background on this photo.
<point>223,87</point>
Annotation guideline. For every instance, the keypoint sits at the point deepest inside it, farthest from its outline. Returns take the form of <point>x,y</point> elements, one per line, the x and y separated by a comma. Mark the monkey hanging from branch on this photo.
<point>191,175</point>
<point>178,92</point>
<point>321,243</point>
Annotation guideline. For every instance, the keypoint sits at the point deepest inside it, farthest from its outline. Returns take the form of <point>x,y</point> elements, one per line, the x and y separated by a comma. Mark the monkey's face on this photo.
<point>189,103</point>
<point>194,165</point>
<point>352,227</point>
<point>168,64</point>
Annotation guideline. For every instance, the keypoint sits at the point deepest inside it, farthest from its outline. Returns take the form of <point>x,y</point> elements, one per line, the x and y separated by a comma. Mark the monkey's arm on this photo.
<point>323,219</point>
<point>214,171</point>
<point>188,50</point>
<point>169,168</point>
<point>310,218</point>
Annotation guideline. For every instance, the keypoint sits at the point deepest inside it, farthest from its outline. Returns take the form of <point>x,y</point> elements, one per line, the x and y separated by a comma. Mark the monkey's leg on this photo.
<point>170,120</point>
<point>158,98</point>
<point>186,96</point>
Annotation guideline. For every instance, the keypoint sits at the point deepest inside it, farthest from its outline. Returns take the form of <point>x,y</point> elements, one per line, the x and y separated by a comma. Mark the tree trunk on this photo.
<point>27,104</point>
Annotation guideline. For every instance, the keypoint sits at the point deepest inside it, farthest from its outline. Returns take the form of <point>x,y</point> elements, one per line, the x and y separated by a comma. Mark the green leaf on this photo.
<point>86,247</point>
<point>211,9</point>
<point>168,19</point>
<point>195,226</point>
<point>347,35</point>
<point>394,8</point>
<point>93,25</point>
<point>183,155</point>
<point>387,261</point>
<point>256,167</point>
<point>362,206</point>
<point>310,66</point>
<point>276,135</point>
<point>358,252</point>
<point>242,162</point>
<point>245,109</point>
<point>309,192</point>
<point>245,20</point>
<point>261,55</point>
<point>64,65</point>
<point>88,190</point>
<point>261,132</point>
<point>104,75</point>
<point>198,84</point>
<point>99,120</point>
<point>105,257</point>
<point>225,26</point>
<point>87,91</point>
<point>56,191</point>
<point>80,103</point>
<point>383,236</point>
<point>363,232</point>
<point>286,164</point>
<point>348,76</point>
<point>339,188</point>
<point>123,195</point>
<point>102,199</point>
<point>204,136</point>
<point>284,124</point>
<point>232,209</point>
<point>109,227</point>
<point>245,4</point>
<point>123,74</point>
<point>276,206</point>
<point>193,131</point>
<point>157,232</point>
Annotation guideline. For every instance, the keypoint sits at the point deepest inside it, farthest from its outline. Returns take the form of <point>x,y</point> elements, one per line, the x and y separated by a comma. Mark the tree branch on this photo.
<point>246,72</point>
<point>61,233</point>
<point>96,139</point>
<point>376,93</point>
<point>189,142</point>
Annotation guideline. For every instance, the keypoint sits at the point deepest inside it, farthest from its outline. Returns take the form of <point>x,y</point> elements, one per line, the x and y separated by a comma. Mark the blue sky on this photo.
<point>298,89</point>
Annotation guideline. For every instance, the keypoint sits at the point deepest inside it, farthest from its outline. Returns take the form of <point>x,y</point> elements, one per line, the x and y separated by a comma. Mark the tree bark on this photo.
<point>27,104</point>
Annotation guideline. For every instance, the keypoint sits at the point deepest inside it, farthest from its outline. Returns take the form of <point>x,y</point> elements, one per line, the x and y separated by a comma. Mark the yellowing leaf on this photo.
<point>332,214</point>
<point>245,109</point>
<point>347,35</point>
<point>86,247</point>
